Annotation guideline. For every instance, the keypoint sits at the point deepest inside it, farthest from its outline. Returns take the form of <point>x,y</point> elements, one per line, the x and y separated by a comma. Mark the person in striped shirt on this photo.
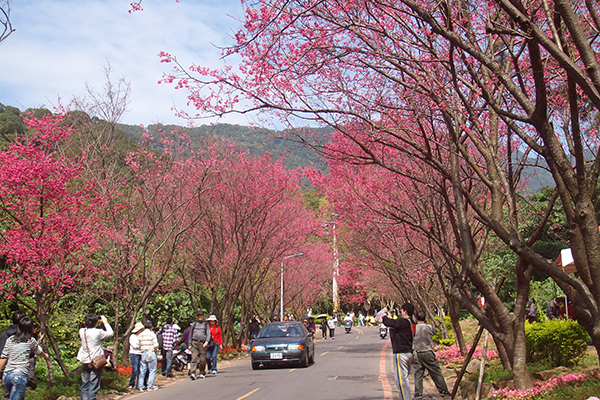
<point>15,358</point>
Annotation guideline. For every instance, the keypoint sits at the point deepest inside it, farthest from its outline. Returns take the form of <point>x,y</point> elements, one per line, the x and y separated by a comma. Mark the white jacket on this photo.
<point>94,338</point>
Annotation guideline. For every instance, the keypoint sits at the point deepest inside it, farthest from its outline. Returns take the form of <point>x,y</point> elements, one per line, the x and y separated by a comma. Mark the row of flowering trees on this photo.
<point>212,222</point>
<point>446,102</point>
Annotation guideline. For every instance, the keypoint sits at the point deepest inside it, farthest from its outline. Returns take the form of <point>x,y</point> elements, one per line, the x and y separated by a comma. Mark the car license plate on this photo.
<point>276,356</point>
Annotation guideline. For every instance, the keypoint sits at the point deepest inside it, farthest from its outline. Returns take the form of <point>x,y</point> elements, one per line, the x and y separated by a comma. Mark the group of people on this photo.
<point>202,337</point>
<point>556,308</point>
<point>413,344</point>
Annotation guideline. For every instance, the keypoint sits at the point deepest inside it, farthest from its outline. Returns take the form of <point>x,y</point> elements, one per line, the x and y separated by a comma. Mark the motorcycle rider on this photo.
<point>348,322</point>
<point>382,330</point>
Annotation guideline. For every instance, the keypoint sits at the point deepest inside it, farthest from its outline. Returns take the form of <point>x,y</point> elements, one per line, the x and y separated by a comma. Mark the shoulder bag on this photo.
<point>97,362</point>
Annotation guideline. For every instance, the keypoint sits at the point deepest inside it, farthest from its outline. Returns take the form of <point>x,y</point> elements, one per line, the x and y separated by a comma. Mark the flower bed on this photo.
<point>541,388</point>
<point>451,354</point>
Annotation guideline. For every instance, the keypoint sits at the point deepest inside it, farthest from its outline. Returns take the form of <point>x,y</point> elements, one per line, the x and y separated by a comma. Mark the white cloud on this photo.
<point>59,45</point>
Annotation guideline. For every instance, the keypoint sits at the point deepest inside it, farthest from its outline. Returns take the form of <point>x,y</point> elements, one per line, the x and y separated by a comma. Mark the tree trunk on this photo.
<point>458,334</point>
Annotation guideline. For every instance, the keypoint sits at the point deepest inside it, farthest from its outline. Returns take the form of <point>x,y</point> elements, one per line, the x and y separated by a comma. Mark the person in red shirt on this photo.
<point>213,348</point>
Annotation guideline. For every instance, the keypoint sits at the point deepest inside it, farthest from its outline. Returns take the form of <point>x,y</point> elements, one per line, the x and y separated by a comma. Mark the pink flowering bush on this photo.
<point>541,388</point>
<point>452,354</point>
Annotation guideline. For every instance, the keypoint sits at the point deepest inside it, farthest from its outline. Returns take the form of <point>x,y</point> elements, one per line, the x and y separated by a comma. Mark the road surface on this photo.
<point>354,366</point>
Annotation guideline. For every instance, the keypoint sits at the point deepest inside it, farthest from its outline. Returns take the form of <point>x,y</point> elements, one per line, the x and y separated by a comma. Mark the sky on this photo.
<point>59,46</point>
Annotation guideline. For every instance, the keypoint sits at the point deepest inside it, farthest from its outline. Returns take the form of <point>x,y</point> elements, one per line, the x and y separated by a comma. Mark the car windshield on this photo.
<point>273,331</point>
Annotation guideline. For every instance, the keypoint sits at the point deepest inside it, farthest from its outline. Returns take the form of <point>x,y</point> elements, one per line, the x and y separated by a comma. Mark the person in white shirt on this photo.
<point>91,347</point>
<point>135,354</point>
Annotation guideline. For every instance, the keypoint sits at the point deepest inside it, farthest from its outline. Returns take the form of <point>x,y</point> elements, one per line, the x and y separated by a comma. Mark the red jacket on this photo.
<point>215,332</point>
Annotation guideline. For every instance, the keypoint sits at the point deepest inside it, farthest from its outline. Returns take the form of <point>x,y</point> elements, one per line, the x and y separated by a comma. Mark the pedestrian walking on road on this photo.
<point>324,328</point>
<point>148,361</point>
<point>331,324</point>
<point>402,343</point>
<point>423,345</point>
<point>170,335</point>
<point>200,337</point>
<point>216,343</point>
<point>361,319</point>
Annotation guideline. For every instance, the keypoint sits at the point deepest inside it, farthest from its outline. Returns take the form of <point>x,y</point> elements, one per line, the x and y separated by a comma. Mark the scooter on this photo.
<point>348,326</point>
<point>181,359</point>
<point>382,332</point>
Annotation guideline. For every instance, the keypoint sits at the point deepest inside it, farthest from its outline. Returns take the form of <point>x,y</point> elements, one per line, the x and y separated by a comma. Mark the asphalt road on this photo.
<point>353,366</point>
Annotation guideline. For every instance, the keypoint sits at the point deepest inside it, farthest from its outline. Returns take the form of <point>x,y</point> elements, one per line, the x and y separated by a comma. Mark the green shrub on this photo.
<point>437,338</point>
<point>559,341</point>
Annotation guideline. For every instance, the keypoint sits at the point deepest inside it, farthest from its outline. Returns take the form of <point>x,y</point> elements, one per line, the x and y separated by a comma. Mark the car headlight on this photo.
<point>258,348</point>
<point>295,346</point>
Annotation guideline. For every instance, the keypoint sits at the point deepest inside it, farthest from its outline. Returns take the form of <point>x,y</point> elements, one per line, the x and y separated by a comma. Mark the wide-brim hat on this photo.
<point>212,318</point>
<point>138,327</point>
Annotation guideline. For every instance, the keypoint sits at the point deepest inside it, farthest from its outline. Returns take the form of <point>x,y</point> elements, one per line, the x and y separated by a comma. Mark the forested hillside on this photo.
<point>255,140</point>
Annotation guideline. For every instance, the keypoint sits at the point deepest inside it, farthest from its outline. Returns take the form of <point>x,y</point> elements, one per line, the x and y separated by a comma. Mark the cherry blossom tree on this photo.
<point>251,217</point>
<point>51,218</point>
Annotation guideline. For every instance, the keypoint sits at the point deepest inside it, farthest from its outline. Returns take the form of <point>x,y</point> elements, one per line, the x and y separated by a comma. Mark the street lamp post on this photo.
<point>281,304</point>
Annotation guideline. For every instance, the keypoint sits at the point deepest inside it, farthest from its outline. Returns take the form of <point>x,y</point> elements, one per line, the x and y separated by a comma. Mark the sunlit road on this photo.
<point>345,368</point>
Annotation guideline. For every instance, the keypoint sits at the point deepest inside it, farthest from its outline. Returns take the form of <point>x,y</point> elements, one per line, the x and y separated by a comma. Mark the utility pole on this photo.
<point>281,286</point>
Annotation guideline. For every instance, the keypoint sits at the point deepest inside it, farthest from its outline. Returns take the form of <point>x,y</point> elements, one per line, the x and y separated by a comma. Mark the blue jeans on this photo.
<point>16,382</point>
<point>135,368</point>
<point>167,362</point>
<point>90,382</point>
<point>148,363</point>
<point>211,357</point>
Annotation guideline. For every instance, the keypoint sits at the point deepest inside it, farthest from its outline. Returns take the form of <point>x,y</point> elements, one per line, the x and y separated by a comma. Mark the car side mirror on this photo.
<point>311,334</point>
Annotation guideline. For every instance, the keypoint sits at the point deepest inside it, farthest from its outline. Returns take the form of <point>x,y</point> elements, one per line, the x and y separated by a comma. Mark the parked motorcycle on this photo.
<point>181,359</point>
<point>382,332</point>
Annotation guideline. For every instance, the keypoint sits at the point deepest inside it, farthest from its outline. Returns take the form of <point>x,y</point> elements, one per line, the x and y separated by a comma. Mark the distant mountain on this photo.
<point>259,141</point>
<point>256,141</point>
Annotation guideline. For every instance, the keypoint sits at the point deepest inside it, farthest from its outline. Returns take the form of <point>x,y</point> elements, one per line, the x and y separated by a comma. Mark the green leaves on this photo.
<point>560,341</point>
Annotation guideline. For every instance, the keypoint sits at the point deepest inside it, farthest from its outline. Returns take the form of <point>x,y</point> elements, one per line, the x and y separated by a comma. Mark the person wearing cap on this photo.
<point>169,336</point>
<point>215,344</point>
<point>135,354</point>
<point>199,339</point>
<point>402,346</point>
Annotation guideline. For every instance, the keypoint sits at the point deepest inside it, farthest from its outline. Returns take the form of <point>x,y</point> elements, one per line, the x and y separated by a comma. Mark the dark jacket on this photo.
<point>10,331</point>
<point>402,339</point>
<point>185,338</point>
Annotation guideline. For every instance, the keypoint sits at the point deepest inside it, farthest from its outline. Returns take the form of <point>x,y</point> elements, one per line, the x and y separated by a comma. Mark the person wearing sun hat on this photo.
<point>135,354</point>
<point>214,345</point>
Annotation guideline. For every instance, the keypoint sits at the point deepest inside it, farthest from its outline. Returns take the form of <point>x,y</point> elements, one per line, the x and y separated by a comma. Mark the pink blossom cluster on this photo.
<point>540,387</point>
<point>452,354</point>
